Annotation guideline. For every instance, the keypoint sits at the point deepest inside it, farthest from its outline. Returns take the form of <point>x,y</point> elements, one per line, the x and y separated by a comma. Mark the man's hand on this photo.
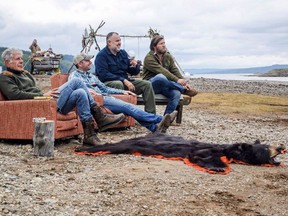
<point>129,93</point>
<point>129,85</point>
<point>134,62</point>
<point>52,93</point>
<point>187,86</point>
<point>93,92</point>
<point>182,82</point>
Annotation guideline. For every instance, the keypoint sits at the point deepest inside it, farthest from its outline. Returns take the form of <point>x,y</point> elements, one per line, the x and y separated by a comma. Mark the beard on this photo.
<point>162,50</point>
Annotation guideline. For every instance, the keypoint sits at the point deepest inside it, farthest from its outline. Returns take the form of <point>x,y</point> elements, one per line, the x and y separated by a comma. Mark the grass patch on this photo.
<point>250,104</point>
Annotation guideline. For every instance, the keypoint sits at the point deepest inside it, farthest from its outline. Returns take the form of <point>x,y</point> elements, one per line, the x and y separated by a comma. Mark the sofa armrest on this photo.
<point>17,116</point>
<point>98,98</point>
<point>58,79</point>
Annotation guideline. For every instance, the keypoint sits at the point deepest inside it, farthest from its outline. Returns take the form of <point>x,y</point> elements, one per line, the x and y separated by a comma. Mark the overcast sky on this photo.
<point>199,33</point>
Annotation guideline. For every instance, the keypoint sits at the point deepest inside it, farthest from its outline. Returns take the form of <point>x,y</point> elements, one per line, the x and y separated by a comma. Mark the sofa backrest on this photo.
<point>58,80</point>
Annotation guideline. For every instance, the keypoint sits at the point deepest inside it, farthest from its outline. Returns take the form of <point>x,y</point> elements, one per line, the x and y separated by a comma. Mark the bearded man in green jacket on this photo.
<point>160,69</point>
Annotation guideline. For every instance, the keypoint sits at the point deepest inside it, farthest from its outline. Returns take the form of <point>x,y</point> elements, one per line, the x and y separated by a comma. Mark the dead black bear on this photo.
<point>213,158</point>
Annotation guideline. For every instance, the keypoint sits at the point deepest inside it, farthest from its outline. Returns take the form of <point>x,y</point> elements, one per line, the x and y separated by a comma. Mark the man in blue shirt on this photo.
<point>112,66</point>
<point>152,122</point>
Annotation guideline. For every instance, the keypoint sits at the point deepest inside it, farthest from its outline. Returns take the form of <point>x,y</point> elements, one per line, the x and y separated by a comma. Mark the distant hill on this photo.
<point>275,73</point>
<point>253,70</point>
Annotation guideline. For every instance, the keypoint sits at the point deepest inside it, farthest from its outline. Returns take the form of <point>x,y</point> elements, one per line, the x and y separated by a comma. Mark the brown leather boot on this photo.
<point>90,137</point>
<point>190,92</point>
<point>105,120</point>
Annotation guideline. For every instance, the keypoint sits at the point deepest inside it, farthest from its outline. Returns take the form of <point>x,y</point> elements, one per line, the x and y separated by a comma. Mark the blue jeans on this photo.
<point>74,93</point>
<point>169,89</point>
<point>146,119</point>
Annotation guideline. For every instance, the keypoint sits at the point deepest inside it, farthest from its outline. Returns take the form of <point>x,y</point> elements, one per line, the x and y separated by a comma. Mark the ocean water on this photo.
<point>239,77</point>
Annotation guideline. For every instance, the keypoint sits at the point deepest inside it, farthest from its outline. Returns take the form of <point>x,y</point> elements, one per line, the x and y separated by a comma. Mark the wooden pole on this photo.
<point>43,139</point>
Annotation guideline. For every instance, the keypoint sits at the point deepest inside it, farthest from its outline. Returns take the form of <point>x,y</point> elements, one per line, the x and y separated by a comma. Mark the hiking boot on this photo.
<point>173,116</point>
<point>186,100</point>
<point>90,137</point>
<point>105,120</point>
<point>190,92</point>
<point>166,122</point>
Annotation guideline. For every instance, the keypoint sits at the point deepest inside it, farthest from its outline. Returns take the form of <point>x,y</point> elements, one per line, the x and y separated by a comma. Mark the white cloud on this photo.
<point>199,33</point>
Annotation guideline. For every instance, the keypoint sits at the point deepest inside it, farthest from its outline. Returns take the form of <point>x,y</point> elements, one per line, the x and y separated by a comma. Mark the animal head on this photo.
<point>256,154</point>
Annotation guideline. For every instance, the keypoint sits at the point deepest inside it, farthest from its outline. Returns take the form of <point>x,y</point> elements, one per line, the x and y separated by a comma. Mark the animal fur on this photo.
<point>213,158</point>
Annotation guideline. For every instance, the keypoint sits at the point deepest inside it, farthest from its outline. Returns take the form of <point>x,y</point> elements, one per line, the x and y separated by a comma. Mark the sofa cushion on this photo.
<point>67,117</point>
<point>66,125</point>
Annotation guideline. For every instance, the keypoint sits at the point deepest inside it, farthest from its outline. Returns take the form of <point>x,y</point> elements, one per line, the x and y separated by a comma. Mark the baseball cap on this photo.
<point>81,57</point>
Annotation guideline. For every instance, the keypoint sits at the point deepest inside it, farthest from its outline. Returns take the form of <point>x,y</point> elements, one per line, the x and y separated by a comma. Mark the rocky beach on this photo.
<point>71,184</point>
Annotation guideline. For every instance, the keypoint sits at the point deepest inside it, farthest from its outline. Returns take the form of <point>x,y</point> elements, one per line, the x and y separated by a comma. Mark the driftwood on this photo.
<point>43,139</point>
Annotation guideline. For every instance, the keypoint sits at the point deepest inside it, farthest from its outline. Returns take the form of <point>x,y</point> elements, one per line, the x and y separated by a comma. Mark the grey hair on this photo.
<point>109,35</point>
<point>7,54</point>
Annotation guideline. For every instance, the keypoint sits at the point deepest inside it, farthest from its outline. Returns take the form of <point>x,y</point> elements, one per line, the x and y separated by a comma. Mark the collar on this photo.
<point>109,51</point>
<point>80,71</point>
<point>14,71</point>
<point>87,73</point>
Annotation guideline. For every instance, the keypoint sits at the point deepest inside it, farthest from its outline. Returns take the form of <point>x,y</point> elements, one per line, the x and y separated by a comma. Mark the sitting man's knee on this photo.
<point>161,76</point>
<point>75,83</point>
<point>147,83</point>
<point>115,84</point>
<point>177,94</point>
<point>80,92</point>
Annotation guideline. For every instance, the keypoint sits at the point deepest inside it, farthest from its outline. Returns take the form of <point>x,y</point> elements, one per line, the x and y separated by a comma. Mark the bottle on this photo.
<point>187,77</point>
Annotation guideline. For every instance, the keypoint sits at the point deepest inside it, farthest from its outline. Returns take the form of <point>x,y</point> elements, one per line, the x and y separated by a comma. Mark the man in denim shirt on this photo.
<point>151,121</point>
<point>112,66</point>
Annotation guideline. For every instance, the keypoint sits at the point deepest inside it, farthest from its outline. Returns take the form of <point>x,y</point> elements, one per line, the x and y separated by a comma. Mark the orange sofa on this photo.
<point>16,116</point>
<point>59,79</point>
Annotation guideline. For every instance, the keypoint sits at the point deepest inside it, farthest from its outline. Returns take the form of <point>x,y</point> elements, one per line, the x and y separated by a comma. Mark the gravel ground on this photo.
<point>70,184</point>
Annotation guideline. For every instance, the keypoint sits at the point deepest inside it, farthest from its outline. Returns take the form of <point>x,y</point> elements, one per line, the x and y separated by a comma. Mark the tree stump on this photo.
<point>43,139</point>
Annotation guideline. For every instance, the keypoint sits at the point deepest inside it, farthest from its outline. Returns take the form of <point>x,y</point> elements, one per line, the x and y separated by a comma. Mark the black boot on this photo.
<point>104,120</point>
<point>90,137</point>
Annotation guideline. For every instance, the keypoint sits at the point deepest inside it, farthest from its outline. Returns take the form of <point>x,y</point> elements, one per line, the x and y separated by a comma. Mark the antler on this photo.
<point>153,32</point>
<point>94,34</point>
<point>85,39</point>
<point>89,39</point>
